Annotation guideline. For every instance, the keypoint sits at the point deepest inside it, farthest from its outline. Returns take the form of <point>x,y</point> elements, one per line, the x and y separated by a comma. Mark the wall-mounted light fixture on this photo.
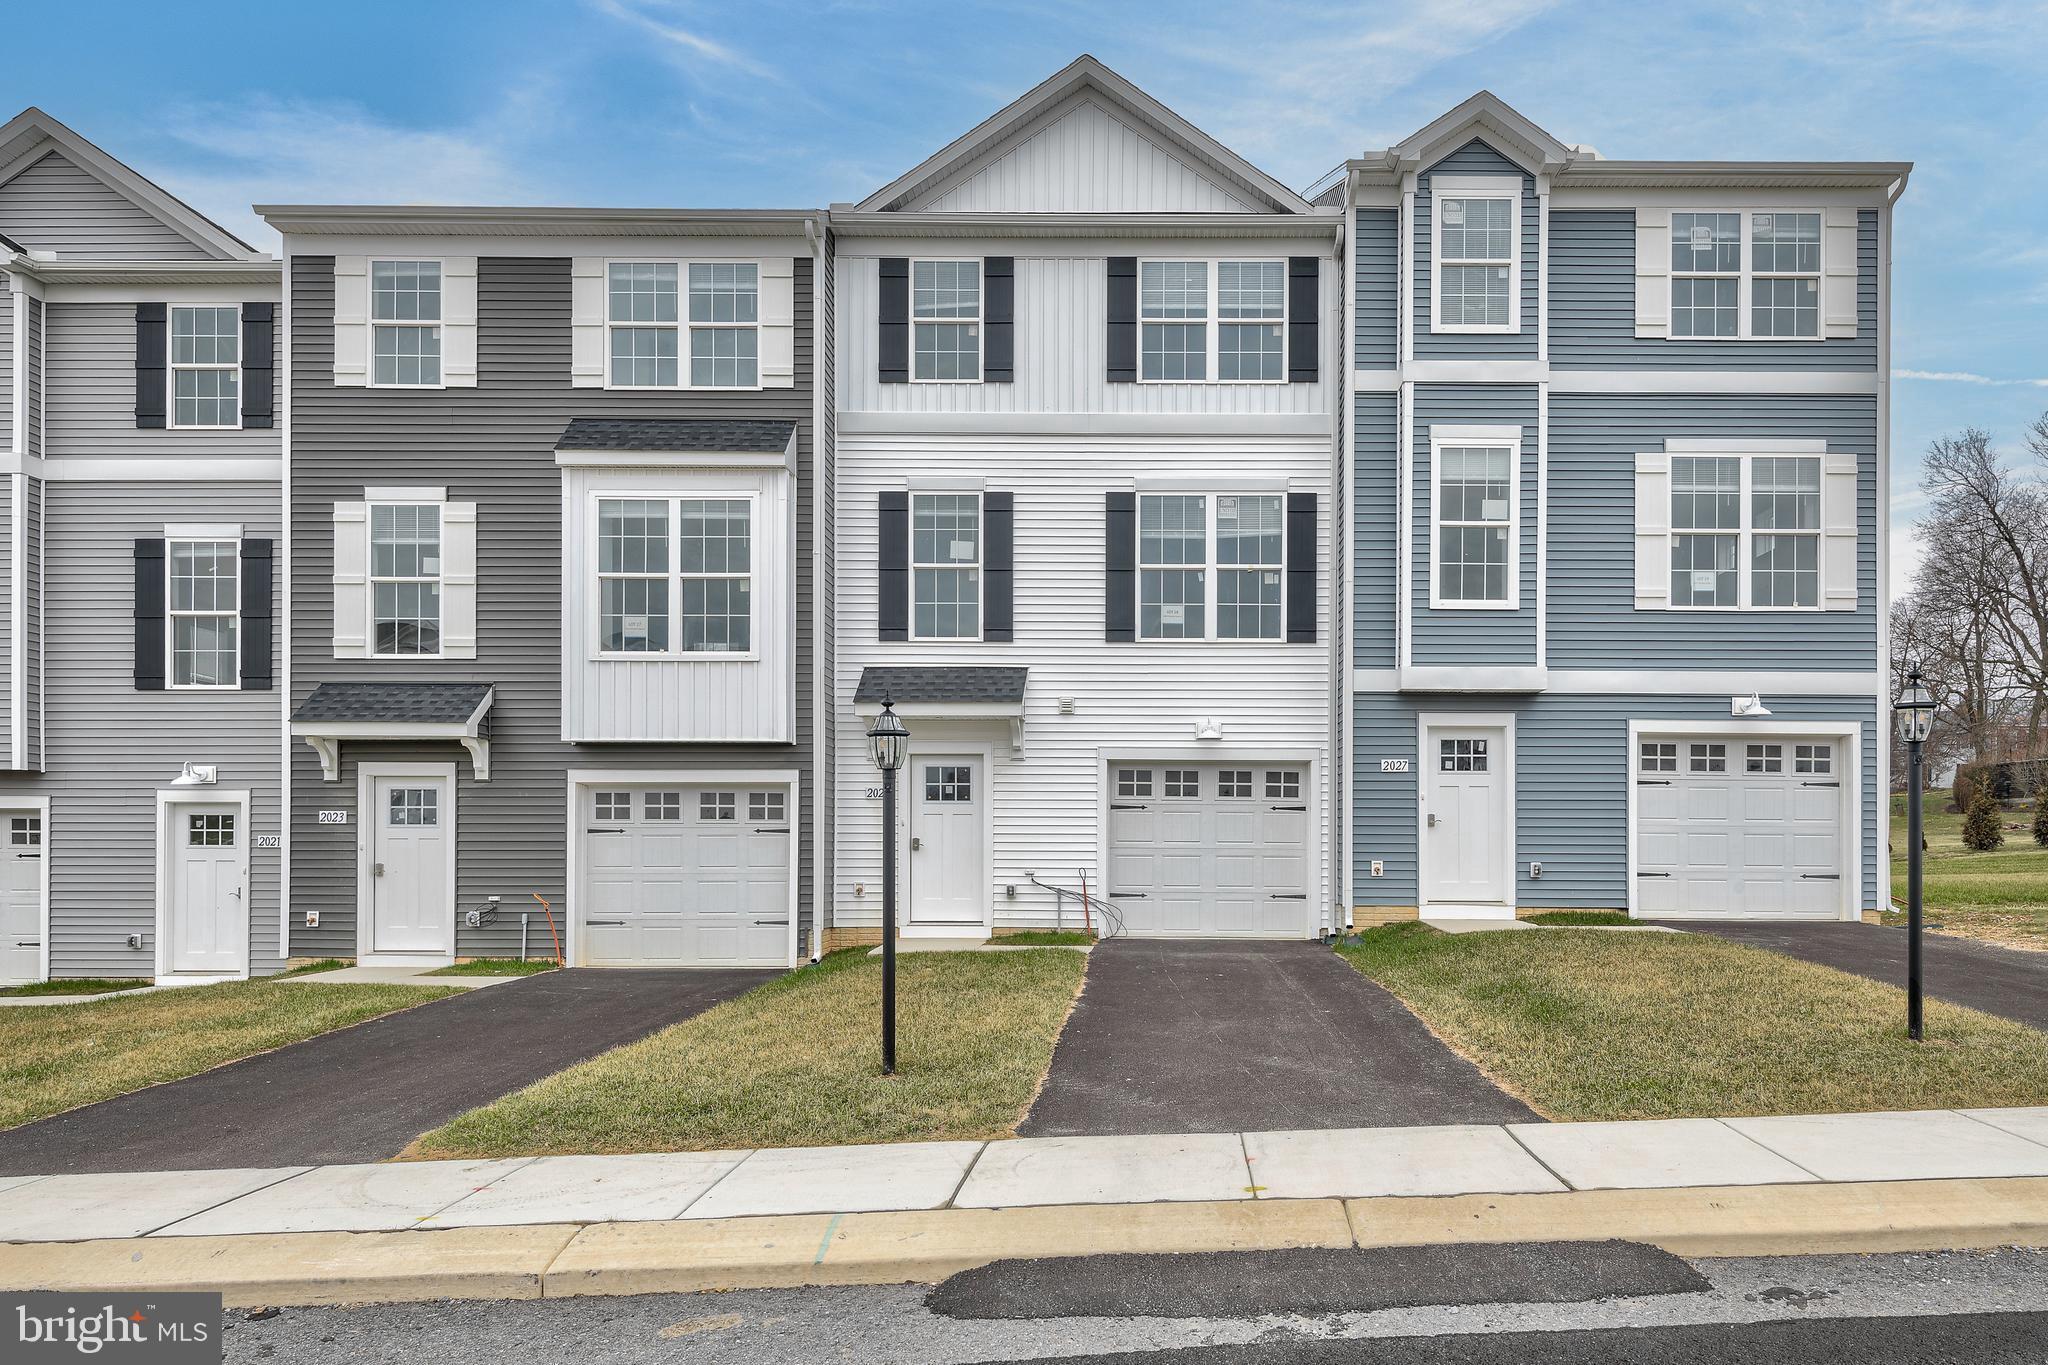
<point>196,775</point>
<point>1747,707</point>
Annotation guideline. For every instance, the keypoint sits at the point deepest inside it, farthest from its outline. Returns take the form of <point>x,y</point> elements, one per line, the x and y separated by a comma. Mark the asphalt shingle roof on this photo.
<point>720,435</point>
<point>914,683</point>
<point>398,703</point>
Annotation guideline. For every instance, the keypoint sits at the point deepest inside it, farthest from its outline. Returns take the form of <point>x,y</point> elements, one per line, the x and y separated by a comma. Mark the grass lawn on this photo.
<point>61,1056</point>
<point>1581,917</point>
<point>1652,1026</point>
<point>84,985</point>
<point>325,964</point>
<point>496,966</point>
<point>1045,938</point>
<point>2000,896</point>
<point>796,1063</point>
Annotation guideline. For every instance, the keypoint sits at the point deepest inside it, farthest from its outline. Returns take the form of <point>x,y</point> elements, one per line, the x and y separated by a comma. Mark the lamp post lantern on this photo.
<point>1913,712</point>
<point>888,744</point>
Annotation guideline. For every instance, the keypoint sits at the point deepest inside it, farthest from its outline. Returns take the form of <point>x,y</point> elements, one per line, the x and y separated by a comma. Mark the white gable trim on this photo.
<point>1487,116</point>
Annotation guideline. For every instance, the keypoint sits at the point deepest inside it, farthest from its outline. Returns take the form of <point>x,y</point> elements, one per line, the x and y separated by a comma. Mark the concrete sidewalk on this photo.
<point>1199,1168</point>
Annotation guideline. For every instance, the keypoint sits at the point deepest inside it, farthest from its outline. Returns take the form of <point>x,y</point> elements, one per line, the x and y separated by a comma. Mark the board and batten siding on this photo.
<point>1267,697</point>
<point>1376,293</point>
<point>8,367</point>
<point>1594,623</point>
<point>1474,158</point>
<point>1061,341</point>
<point>1482,635</point>
<point>493,445</point>
<point>1375,528</point>
<point>1593,307</point>
<point>110,748</point>
<point>91,408</point>
<point>1572,775</point>
<point>56,205</point>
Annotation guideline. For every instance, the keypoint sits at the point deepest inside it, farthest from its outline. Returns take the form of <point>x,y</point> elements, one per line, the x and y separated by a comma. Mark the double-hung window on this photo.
<point>725,325</point>
<point>1745,531</point>
<point>1236,335</point>
<point>206,367</point>
<point>1475,526</point>
<point>1210,566</point>
<point>405,579</point>
<point>1746,275</point>
<point>1251,321</point>
<point>647,319</point>
<point>945,566</point>
<point>1476,263</point>
<point>945,311</point>
<point>205,612</point>
<point>675,575</point>
<point>405,324</point>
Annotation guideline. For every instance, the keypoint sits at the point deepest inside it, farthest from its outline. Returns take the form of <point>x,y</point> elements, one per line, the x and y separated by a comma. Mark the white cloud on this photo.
<point>1966,377</point>
<point>693,48</point>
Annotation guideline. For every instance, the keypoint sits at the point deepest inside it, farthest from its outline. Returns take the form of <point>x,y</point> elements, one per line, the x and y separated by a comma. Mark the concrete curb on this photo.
<point>565,1260</point>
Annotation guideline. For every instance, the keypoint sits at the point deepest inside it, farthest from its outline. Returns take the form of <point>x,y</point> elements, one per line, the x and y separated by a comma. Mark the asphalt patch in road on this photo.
<point>1312,1280</point>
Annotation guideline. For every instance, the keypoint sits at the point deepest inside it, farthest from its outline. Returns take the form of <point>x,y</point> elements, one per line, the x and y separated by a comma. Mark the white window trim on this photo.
<point>439,324</point>
<point>371,578</point>
<point>1213,325</point>
<point>682,325</point>
<point>592,581</point>
<point>1746,272</point>
<point>1510,439</point>
<point>979,564</point>
<point>980,318</point>
<point>1210,609</point>
<point>172,367</point>
<point>1744,565</point>
<point>172,539</point>
<point>1442,187</point>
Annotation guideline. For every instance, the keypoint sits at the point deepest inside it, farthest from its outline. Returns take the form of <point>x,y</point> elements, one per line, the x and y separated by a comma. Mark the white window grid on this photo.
<point>405,324</point>
<point>1478,261</point>
<point>406,565</point>
<point>1706,758</point>
<point>1183,782</point>
<point>1746,274</point>
<point>25,831</point>
<point>206,367</point>
<point>1283,784</point>
<point>945,566</point>
<point>1754,522</point>
<point>1461,755</point>
<point>1763,758</point>
<point>1204,321</point>
<point>674,575</point>
<point>1212,567</point>
<point>672,324</point>
<point>210,831</point>
<point>1133,781</point>
<point>611,805</point>
<point>414,807</point>
<point>662,805</point>
<point>203,588</point>
<point>1656,756</point>
<point>771,808</point>
<point>945,321</point>
<point>1234,782</point>
<point>948,783</point>
<point>1468,526</point>
<point>1813,760</point>
<point>718,807</point>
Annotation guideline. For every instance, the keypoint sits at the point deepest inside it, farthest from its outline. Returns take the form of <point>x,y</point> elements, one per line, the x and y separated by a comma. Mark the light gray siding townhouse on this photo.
<point>140,751</point>
<point>554,480</point>
<point>1088,384</point>
<point>1618,451</point>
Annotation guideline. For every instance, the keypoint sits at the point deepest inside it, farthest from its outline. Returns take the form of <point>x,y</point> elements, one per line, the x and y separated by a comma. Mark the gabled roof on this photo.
<point>1489,116</point>
<point>31,135</point>
<point>1086,75</point>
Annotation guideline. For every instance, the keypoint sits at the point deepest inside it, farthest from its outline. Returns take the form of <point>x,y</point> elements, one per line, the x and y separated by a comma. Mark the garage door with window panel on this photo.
<point>685,875</point>
<point>1739,828</point>
<point>1210,849</point>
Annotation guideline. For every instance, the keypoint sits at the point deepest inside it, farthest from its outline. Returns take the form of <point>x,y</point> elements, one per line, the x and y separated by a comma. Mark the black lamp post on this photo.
<point>1914,714</point>
<point>888,744</point>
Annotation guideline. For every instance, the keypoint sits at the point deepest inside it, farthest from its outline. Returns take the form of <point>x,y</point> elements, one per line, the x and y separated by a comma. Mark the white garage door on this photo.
<point>1210,849</point>
<point>685,876</point>
<point>1739,829</point>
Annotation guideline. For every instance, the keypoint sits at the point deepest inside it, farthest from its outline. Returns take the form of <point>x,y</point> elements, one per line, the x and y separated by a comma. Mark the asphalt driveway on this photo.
<point>362,1093</point>
<point>1218,1037</point>
<point>2008,982</point>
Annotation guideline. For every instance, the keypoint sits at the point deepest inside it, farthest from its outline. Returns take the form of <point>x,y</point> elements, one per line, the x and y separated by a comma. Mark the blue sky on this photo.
<point>777,104</point>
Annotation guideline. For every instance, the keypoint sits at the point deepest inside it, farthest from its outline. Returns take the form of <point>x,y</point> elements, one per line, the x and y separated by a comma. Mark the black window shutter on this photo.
<point>1304,305</point>
<point>152,350</point>
<point>892,609</point>
<point>893,309</point>
<point>149,615</point>
<point>256,621</point>
<point>1120,567</point>
<point>1301,568</point>
<point>998,567</point>
<point>1123,320</point>
<point>999,319</point>
<point>259,363</point>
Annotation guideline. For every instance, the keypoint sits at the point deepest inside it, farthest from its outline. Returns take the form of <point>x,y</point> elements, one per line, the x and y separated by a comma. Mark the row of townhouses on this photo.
<point>1494,527</point>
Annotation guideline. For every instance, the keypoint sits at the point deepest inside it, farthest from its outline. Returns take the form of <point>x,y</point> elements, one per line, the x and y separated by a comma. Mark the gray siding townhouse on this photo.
<point>553,565</point>
<point>140,758</point>
<point>1617,447</point>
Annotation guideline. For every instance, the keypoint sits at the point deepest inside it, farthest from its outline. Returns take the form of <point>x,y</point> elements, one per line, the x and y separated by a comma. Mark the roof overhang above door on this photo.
<point>458,713</point>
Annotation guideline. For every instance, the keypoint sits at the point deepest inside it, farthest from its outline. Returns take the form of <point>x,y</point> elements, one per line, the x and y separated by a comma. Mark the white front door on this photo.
<point>412,908</point>
<point>1465,814</point>
<point>21,897</point>
<point>947,885</point>
<point>209,889</point>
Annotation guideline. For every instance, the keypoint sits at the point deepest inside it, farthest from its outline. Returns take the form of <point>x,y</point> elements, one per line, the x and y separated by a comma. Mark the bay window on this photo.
<point>675,576</point>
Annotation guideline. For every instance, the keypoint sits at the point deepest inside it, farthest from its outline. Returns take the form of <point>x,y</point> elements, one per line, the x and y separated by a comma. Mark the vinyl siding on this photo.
<point>493,445</point>
<point>8,758</point>
<point>1474,158</point>
<point>56,205</point>
<point>110,748</point>
<point>1459,636</point>
<point>91,374</point>
<point>7,365</point>
<point>1572,776</point>
<point>34,741</point>
<point>1376,294</point>
<point>1593,307</point>
<point>35,365</point>
<point>1375,553</point>
<point>1593,619</point>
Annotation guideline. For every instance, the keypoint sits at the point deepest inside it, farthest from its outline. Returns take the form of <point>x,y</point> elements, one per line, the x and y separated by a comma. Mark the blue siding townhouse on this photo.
<point>1617,439</point>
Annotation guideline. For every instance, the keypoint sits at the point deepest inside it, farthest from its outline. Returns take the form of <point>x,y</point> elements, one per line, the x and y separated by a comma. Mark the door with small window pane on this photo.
<point>412,905</point>
<point>948,881</point>
<point>684,875</point>
<point>1466,835</point>
<point>1739,827</point>
<point>21,896</point>
<point>1201,850</point>
<point>208,929</point>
